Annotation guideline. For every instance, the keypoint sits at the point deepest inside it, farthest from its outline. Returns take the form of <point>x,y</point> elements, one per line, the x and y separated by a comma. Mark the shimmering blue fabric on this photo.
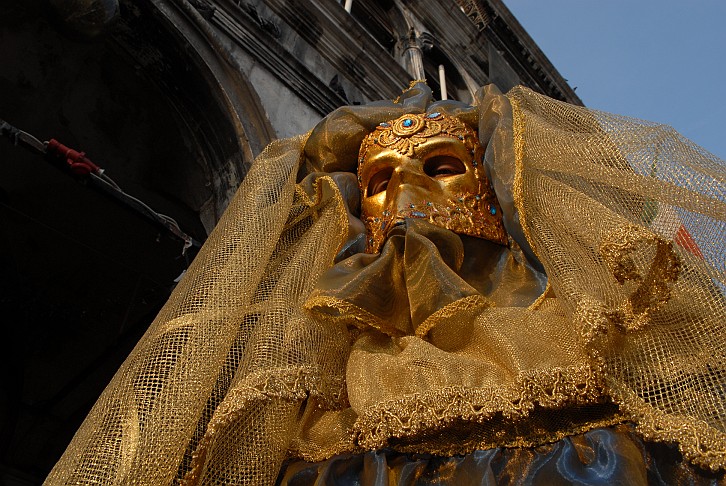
<point>608,456</point>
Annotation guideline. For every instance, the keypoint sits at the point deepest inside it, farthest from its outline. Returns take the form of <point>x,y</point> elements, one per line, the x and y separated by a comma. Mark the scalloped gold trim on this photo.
<point>472,302</point>
<point>419,413</point>
<point>348,313</point>
<point>292,385</point>
<point>699,442</point>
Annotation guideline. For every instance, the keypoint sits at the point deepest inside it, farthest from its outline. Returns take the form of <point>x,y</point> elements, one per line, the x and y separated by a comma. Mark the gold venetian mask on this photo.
<point>426,166</point>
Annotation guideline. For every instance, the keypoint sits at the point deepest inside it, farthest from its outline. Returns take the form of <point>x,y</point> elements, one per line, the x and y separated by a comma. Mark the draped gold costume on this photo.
<point>284,340</point>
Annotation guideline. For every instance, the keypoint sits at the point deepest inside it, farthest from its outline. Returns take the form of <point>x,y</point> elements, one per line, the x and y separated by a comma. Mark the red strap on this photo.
<point>77,162</point>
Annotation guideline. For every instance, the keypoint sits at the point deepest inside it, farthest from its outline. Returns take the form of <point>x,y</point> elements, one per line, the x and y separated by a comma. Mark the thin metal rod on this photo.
<point>442,81</point>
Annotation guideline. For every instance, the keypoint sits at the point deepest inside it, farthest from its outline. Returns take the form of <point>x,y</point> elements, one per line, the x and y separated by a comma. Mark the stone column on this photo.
<point>413,56</point>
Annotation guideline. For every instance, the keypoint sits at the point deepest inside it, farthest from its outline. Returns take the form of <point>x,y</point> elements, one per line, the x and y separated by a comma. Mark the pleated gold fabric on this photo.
<point>285,340</point>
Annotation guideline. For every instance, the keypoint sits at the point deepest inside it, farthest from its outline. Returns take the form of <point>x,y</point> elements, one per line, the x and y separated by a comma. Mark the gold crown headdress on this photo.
<point>475,212</point>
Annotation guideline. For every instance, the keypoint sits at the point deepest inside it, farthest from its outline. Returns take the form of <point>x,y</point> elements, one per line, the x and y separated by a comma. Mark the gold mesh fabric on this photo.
<point>606,202</point>
<point>278,344</point>
<point>230,358</point>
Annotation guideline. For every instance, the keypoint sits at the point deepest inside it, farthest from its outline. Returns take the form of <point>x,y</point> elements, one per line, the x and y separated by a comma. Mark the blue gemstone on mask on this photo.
<point>407,122</point>
<point>411,206</point>
<point>493,210</point>
<point>433,115</point>
<point>418,214</point>
<point>384,125</point>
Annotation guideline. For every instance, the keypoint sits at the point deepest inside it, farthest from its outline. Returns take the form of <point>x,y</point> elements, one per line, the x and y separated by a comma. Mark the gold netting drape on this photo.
<point>282,341</point>
<point>628,219</point>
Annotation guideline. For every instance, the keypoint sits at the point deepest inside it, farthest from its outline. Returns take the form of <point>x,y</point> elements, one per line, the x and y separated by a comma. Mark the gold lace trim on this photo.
<point>347,313</point>
<point>423,413</point>
<point>302,449</point>
<point>343,446</point>
<point>293,385</point>
<point>347,446</point>
<point>546,294</point>
<point>472,302</point>
<point>700,443</point>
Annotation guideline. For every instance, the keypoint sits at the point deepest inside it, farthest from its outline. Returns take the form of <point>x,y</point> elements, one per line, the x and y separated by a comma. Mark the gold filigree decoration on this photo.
<point>410,130</point>
<point>477,214</point>
<point>467,214</point>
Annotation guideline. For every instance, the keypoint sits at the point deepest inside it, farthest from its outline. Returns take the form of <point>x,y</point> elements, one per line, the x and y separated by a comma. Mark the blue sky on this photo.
<point>659,60</point>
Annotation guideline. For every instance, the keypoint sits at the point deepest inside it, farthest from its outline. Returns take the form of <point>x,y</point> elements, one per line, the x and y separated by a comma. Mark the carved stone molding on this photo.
<point>345,44</point>
<point>475,10</point>
<point>523,54</point>
<point>244,27</point>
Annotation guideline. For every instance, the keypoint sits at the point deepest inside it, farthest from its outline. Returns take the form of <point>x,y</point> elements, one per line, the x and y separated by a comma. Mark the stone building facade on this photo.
<point>174,99</point>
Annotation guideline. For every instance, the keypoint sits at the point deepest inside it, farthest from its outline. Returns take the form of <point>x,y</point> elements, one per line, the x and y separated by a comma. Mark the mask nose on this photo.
<point>408,187</point>
<point>412,174</point>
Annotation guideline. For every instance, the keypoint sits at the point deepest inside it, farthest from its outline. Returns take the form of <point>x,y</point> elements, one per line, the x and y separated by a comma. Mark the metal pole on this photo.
<point>442,81</point>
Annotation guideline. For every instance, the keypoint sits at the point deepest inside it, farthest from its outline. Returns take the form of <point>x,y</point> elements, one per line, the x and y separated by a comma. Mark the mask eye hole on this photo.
<point>443,166</point>
<point>379,181</point>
